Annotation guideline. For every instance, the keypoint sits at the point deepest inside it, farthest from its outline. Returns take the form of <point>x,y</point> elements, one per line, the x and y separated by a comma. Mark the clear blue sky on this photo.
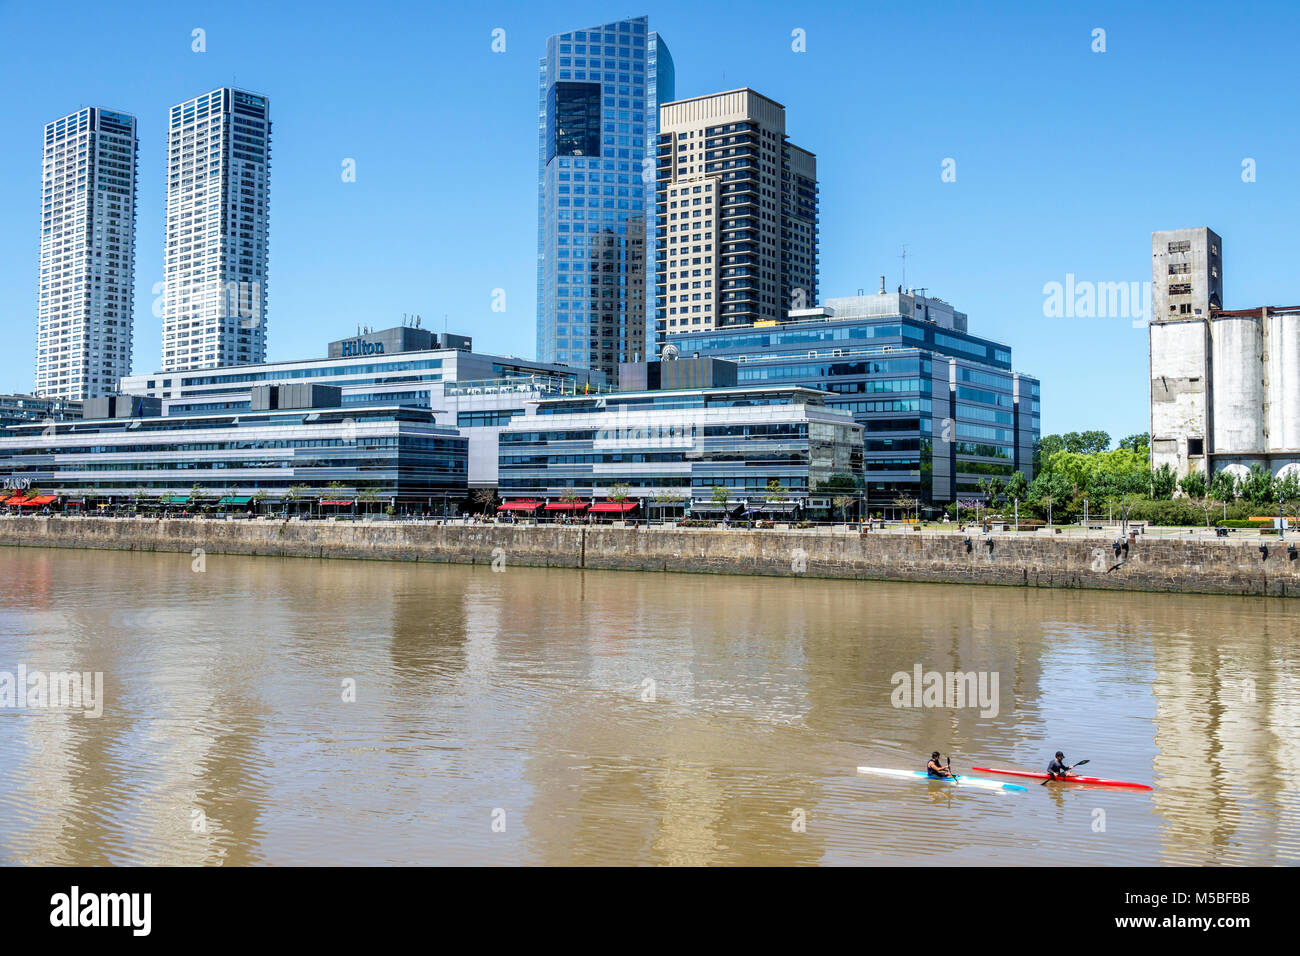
<point>1066,159</point>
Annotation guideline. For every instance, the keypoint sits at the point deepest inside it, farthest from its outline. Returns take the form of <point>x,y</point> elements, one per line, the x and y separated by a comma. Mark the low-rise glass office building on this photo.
<point>474,392</point>
<point>769,448</point>
<point>258,459</point>
<point>941,408</point>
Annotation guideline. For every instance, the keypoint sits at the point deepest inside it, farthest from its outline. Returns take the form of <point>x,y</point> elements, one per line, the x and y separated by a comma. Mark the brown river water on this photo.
<point>588,717</point>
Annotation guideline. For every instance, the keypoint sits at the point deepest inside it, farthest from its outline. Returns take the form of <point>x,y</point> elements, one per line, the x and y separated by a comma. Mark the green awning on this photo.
<point>235,500</point>
<point>178,499</point>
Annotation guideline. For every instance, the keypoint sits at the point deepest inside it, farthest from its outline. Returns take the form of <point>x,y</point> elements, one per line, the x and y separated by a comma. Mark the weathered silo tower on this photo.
<point>1186,282</point>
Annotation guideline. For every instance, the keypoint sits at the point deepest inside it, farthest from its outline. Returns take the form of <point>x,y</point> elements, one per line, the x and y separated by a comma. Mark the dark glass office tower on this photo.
<point>598,114</point>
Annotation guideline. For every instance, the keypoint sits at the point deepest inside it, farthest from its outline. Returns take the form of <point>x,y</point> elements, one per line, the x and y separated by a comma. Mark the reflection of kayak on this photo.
<point>1073,778</point>
<point>952,781</point>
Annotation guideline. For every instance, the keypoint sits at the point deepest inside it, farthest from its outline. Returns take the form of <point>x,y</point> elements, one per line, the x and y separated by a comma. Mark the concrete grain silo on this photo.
<point>1238,384</point>
<point>1283,350</point>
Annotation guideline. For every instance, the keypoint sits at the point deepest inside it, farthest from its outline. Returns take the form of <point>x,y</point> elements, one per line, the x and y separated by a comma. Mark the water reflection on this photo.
<point>292,711</point>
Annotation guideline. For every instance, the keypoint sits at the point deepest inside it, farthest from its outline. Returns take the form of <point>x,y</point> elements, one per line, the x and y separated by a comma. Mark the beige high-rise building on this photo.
<point>736,223</point>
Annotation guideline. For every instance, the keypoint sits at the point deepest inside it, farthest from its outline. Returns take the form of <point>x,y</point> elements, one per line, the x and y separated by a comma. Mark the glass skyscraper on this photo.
<point>599,93</point>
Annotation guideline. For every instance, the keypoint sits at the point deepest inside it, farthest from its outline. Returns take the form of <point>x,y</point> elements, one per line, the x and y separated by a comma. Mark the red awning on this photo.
<point>39,500</point>
<point>617,506</point>
<point>566,506</point>
<point>519,506</point>
<point>337,502</point>
<point>15,500</point>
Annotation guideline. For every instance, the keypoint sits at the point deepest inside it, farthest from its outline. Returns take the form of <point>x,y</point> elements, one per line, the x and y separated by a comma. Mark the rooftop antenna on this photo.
<point>904,258</point>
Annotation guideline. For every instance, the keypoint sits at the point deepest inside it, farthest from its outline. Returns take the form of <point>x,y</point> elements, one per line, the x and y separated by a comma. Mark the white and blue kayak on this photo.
<point>958,781</point>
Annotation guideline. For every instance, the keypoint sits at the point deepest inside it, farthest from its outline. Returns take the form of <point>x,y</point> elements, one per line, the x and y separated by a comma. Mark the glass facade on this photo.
<point>598,115</point>
<point>680,445</point>
<point>397,453</point>
<point>941,408</point>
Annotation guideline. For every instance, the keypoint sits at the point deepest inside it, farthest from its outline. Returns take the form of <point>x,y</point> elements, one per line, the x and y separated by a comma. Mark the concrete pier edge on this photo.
<point>1172,564</point>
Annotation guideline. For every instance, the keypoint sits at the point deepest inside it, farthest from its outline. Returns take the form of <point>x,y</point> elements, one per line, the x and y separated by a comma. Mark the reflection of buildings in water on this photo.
<point>679,779</point>
<point>1227,710</point>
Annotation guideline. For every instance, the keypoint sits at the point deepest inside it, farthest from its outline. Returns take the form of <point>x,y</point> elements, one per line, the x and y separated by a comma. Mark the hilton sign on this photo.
<point>358,347</point>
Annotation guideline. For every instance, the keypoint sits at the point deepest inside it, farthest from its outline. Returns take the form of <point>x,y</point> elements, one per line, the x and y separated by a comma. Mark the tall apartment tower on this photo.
<point>218,181</point>
<point>736,224</point>
<point>599,92</point>
<point>1186,346</point>
<point>88,192</point>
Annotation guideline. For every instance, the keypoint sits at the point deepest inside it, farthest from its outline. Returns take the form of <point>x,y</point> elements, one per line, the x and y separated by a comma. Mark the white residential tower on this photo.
<point>88,185</point>
<point>218,175</point>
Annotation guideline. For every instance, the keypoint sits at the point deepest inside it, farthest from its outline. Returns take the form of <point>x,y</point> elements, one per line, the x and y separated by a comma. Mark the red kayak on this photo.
<point>1073,778</point>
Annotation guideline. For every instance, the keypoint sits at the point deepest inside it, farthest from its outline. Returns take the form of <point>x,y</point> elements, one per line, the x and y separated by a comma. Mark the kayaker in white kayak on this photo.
<point>934,769</point>
<point>1057,767</point>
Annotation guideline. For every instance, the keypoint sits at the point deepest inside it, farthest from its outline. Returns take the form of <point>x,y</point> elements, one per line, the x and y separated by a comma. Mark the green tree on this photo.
<point>1017,486</point>
<point>721,495</point>
<point>1139,443</point>
<point>617,492</point>
<point>1046,447</point>
<point>1194,484</point>
<point>1257,487</point>
<point>996,487</point>
<point>1287,490</point>
<point>1049,490</point>
<point>776,491</point>
<point>1093,443</point>
<point>1163,482</point>
<point>1223,486</point>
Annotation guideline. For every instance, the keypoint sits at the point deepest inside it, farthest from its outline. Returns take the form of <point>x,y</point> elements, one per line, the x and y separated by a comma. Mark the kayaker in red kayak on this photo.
<point>934,769</point>
<point>1057,768</point>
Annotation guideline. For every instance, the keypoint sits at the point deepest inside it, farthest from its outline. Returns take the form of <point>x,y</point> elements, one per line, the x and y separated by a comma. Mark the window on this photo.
<point>1195,447</point>
<point>573,120</point>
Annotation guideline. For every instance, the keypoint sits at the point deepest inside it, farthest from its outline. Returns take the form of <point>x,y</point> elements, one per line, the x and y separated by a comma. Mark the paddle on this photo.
<point>1052,776</point>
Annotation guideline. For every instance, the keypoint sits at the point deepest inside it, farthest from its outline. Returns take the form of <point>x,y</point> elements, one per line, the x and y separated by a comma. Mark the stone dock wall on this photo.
<point>1180,564</point>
